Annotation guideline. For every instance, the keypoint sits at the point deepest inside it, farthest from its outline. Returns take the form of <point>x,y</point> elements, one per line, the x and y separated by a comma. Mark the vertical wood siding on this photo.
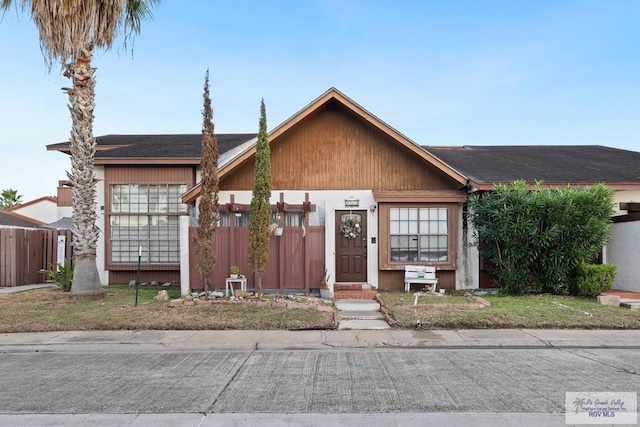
<point>25,252</point>
<point>287,266</point>
<point>149,175</point>
<point>394,280</point>
<point>335,150</point>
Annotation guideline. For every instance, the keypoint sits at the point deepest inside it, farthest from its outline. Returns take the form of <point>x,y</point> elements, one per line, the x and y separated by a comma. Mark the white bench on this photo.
<point>420,274</point>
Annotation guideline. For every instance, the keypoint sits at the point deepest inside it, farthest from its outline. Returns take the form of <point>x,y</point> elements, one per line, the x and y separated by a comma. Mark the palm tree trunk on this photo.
<point>86,280</point>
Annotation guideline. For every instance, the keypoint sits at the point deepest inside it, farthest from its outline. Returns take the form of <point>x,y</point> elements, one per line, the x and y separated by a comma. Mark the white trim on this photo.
<point>184,255</point>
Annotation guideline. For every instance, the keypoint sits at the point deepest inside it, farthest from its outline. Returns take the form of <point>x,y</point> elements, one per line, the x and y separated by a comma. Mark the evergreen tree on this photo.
<point>259,232</point>
<point>208,218</point>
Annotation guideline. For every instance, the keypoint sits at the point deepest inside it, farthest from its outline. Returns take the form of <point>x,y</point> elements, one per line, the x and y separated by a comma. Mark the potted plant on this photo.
<point>276,229</point>
<point>234,270</point>
<point>325,293</point>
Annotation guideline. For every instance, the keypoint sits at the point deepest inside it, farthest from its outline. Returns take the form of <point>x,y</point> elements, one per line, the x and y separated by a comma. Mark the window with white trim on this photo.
<point>146,216</point>
<point>418,234</point>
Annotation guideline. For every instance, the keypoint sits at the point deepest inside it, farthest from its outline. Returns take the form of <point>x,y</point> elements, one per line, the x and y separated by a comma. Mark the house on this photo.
<point>12,219</point>
<point>41,211</point>
<point>353,195</point>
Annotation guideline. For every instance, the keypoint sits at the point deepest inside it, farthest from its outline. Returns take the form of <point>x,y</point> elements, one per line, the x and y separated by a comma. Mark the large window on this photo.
<point>146,216</point>
<point>418,234</point>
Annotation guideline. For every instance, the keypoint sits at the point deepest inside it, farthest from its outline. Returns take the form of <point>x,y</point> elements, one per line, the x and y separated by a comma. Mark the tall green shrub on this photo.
<point>259,231</point>
<point>536,239</point>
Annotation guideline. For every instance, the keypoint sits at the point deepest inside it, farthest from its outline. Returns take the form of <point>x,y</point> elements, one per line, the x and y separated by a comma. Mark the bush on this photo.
<point>62,276</point>
<point>535,239</point>
<point>592,279</point>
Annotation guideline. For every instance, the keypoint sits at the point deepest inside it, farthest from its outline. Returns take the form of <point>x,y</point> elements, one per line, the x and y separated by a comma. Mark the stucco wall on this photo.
<point>43,210</point>
<point>623,252</point>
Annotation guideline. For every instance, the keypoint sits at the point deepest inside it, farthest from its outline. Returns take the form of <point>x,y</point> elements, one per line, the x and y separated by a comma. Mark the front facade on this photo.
<point>354,197</point>
<point>354,169</point>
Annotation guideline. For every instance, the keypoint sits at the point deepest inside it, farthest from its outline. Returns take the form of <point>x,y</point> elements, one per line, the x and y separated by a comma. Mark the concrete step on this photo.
<point>631,305</point>
<point>360,315</point>
<point>357,305</point>
<point>363,324</point>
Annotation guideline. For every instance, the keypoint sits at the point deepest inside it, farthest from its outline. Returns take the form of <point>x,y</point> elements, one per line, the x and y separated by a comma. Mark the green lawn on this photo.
<point>531,311</point>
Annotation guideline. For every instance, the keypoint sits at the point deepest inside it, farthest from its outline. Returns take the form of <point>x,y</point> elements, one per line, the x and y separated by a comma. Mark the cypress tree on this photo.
<point>208,218</point>
<point>259,232</point>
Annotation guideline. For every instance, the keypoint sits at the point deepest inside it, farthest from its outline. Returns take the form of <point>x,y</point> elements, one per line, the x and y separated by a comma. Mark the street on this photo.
<point>328,386</point>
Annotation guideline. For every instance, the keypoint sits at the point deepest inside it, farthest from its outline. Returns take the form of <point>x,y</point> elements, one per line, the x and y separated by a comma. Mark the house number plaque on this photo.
<point>351,202</point>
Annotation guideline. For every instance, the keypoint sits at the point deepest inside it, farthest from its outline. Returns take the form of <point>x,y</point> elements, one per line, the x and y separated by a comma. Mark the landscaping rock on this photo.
<point>155,283</point>
<point>132,283</point>
<point>216,294</point>
<point>162,296</point>
<point>613,300</point>
<point>166,284</point>
<point>176,303</point>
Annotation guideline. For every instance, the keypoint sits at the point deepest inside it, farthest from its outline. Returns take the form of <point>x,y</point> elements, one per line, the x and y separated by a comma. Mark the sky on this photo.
<point>444,73</point>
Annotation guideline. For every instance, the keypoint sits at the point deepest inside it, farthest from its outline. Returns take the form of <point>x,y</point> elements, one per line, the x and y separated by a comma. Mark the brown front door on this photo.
<point>351,252</point>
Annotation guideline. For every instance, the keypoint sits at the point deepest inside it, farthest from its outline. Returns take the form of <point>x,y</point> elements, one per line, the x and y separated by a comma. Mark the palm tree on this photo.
<point>69,31</point>
<point>9,198</point>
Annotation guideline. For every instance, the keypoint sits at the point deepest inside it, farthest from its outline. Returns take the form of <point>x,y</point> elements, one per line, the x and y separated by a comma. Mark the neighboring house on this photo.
<point>623,249</point>
<point>558,166</point>
<point>12,219</point>
<point>333,164</point>
<point>42,210</point>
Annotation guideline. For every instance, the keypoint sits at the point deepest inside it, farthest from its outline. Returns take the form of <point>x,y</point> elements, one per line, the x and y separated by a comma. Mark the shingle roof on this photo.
<point>549,163</point>
<point>182,146</point>
<point>15,220</point>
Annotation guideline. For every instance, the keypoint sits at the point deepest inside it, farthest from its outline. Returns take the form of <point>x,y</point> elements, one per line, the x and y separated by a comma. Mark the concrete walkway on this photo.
<point>319,339</point>
<point>16,289</point>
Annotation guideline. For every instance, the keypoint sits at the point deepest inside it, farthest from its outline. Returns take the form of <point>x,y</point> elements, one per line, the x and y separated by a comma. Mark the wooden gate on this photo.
<point>24,252</point>
<point>296,259</point>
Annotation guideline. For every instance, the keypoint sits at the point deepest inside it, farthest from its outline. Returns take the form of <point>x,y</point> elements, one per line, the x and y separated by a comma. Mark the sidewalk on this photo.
<point>318,339</point>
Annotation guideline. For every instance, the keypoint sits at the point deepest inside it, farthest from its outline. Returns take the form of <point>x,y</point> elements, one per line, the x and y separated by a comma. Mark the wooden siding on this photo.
<point>394,280</point>
<point>25,252</point>
<point>293,258</point>
<point>124,277</point>
<point>333,149</point>
<point>149,175</point>
<point>65,197</point>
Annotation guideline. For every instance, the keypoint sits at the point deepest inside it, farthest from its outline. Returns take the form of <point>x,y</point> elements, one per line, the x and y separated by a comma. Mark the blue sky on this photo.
<point>441,72</point>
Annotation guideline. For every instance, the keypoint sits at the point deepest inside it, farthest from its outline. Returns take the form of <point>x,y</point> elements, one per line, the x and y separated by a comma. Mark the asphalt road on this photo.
<point>407,386</point>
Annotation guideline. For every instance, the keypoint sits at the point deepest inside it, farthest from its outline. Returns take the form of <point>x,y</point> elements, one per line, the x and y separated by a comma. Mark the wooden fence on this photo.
<point>296,259</point>
<point>24,252</point>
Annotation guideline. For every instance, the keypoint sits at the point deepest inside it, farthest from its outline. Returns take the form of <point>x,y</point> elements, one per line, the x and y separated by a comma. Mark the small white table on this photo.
<point>228,283</point>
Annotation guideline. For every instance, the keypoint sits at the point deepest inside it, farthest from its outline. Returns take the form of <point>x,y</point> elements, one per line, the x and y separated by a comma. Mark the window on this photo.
<point>146,216</point>
<point>293,219</point>
<point>418,234</point>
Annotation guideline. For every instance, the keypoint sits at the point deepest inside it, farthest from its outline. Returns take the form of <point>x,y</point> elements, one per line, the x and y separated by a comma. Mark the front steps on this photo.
<point>360,314</point>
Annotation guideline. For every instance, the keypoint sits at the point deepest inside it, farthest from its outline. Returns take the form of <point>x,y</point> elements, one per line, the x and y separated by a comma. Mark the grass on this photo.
<point>45,310</point>
<point>53,310</point>
<point>531,311</point>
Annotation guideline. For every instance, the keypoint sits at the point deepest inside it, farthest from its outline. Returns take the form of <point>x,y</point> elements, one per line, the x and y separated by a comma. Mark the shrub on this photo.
<point>536,238</point>
<point>592,279</point>
<point>62,276</point>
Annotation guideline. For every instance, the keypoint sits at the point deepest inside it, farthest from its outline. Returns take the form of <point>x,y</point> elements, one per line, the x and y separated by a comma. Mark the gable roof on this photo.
<point>331,95</point>
<point>553,164</point>
<point>32,202</point>
<point>13,219</point>
<point>137,149</point>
